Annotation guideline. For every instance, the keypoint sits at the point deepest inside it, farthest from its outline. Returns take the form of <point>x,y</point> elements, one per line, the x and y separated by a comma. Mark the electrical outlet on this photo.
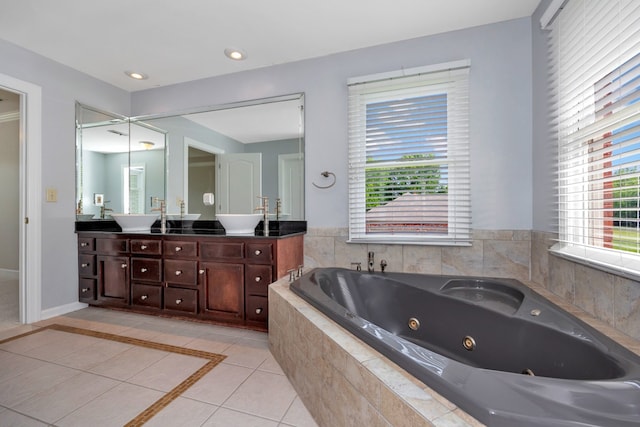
<point>52,195</point>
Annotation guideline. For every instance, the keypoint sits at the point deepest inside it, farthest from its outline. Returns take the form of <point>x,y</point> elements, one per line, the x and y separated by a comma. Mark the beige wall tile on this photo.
<point>422,259</point>
<point>465,260</point>
<point>506,259</point>
<point>594,292</point>
<point>627,306</point>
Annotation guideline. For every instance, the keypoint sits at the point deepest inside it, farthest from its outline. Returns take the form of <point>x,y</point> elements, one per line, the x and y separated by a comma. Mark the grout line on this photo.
<point>213,360</point>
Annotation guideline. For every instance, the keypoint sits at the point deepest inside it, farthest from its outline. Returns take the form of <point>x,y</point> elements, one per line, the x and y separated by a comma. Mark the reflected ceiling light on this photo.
<point>136,75</point>
<point>148,145</point>
<point>235,54</point>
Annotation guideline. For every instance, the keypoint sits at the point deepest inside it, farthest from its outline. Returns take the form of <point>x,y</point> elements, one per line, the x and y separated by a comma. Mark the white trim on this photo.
<point>30,294</point>
<point>551,13</point>
<point>462,63</point>
<point>62,310</point>
<point>615,262</point>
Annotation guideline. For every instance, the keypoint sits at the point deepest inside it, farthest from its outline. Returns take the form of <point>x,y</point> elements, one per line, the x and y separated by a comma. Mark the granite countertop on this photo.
<point>195,228</point>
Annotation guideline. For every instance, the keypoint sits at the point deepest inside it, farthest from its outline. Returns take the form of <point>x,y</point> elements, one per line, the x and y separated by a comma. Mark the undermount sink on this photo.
<point>184,217</point>
<point>239,223</point>
<point>135,222</point>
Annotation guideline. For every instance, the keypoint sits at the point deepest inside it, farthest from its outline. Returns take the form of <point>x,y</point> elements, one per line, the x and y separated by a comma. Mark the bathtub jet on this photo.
<point>494,347</point>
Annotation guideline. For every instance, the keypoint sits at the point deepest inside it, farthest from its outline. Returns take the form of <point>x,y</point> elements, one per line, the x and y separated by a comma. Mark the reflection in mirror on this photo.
<point>221,159</point>
<point>120,165</point>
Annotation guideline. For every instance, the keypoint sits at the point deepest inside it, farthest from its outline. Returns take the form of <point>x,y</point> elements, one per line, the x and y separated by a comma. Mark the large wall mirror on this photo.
<point>217,159</point>
<point>120,165</point>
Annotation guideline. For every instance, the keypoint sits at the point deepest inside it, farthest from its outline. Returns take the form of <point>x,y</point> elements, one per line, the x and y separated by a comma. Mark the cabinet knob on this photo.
<point>123,265</point>
<point>143,247</point>
<point>201,271</point>
<point>143,270</point>
<point>85,264</point>
<point>85,289</point>
<point>84,244</point>
<point>258,278</point>
<point>258,310</point>
<point>178,248</point>
<point>144,297</point>
<point>178,301</point>
<point>178,272</point>
<point>258,252</point>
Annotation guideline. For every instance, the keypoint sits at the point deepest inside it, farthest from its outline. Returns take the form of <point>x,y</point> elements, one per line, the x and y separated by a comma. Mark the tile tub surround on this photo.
<point>341,380</point>
<point>344,382</point>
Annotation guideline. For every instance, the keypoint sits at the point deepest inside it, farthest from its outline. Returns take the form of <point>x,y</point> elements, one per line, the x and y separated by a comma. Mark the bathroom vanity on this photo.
<point>208,276</point>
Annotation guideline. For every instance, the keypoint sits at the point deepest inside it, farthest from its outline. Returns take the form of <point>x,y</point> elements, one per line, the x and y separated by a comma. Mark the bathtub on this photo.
<point>498,350</point>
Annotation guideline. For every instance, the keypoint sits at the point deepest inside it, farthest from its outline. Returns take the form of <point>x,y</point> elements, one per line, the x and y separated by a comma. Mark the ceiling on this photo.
<point>179,41</point>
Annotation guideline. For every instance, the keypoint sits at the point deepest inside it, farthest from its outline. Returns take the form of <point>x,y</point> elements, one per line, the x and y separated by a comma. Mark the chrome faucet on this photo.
<point>104,209</point>
<point>163,213</point>
<point>265,214</point>
<point>370,262</point>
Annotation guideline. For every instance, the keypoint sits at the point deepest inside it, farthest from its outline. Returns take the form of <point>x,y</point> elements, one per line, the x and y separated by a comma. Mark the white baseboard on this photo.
<point>62,309</point>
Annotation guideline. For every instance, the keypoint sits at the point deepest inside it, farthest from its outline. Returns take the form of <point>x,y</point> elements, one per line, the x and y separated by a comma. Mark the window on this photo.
<point>595,68</point>
<point>409,157</point>
<point>133,184</point>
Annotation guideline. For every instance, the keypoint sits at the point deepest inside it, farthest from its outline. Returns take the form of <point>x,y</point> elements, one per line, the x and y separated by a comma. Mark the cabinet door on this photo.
<point>222,295</point>
<point>113,280</point>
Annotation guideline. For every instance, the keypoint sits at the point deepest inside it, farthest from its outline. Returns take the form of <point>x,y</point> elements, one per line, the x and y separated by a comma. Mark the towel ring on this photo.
<point>326,175</point>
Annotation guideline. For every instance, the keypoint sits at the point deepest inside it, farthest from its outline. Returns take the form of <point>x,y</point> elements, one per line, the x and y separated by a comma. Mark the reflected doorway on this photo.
<point>201,180</point>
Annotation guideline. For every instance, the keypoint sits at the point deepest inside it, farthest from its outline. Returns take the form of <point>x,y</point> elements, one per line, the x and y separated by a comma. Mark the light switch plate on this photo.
<point>52,195</point>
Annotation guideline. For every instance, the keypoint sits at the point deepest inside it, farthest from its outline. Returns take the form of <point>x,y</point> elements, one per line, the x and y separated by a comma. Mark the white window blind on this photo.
<point>595,70</point>
<point>409,167</point>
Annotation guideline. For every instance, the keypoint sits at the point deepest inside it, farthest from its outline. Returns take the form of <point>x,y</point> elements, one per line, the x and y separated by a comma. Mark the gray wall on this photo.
<point>501,107</point>
<point>9,194</point>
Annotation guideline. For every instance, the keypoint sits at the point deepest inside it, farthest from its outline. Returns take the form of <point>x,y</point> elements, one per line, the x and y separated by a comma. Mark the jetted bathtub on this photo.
<point>495,348</point>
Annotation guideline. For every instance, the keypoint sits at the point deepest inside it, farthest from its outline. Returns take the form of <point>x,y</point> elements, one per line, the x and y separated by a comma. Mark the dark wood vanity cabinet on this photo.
<point>221,279</point>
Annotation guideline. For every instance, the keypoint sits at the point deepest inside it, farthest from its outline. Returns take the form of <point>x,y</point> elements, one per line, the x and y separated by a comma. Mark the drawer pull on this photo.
<point>178,301</point>
<point>258,252</point>
<point>85,289</point>
<point>178,272</point>
<point>123,265</point>
<point>144,297</point>
<point>84,244</point>
<point>258,310</point>
<point>85,264</point>
<point>143,270</point>
<point>201,271</point>
<point>143,247</point>
<point>178,248</point>
<point>258,278</point>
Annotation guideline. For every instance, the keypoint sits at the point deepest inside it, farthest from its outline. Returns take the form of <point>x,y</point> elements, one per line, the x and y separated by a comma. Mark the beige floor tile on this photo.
<point>93,355</point>
<point>263,394</point>
<point>298,415</point>
<point>216,386</point>
<point>247,352</point>
<point>9,418</point>
<point>116,407</point>
<point>212,342</point>
<point>168,372</point>
<point>226,418</point>
<point>30,383</point>
<point>12,365</point>
<point>29,342</point>
<point>13,330</point>
<point>63,345</point>
<point>128,363</point>
<point>270,365</point>
<point>65,397</point>
<point>182,413</point>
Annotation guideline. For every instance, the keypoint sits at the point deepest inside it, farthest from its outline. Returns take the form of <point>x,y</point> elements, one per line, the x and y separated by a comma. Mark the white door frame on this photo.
<point>30,148</point>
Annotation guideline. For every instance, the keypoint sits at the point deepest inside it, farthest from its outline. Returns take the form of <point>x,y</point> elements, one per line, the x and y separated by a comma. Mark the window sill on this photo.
<point>614,262</point>
<point>417,242</point>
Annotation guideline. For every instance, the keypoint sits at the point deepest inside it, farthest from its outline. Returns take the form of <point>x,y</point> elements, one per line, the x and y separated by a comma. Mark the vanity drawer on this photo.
<point>221,250</point>
<point>87,289</point>
<point>260,253</point>
<point>180,271</point>
<point>257,279</point>
<point>257,308</point>
<point>180,249</point>
<point>146,269</point>
<point>112,246</point>
<point>87,265</point>
<point>86,244</point>
<point>147,247</point>
<point>179,299</point>
<point>146,295</point>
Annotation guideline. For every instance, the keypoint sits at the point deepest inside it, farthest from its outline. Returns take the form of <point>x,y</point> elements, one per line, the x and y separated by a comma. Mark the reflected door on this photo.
<point>240,182</point>
<point>290,186</point>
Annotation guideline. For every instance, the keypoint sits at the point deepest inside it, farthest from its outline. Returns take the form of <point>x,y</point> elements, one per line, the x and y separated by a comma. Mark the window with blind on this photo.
<point>596,79</point>
<point>409,157</point>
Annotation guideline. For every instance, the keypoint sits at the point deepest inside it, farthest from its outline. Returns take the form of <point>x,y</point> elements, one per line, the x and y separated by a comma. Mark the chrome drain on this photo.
<point>414,324</point>
<point>469,343</point>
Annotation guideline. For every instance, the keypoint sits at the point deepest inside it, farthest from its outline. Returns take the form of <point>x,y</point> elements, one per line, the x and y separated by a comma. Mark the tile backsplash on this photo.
<point>517,254</point>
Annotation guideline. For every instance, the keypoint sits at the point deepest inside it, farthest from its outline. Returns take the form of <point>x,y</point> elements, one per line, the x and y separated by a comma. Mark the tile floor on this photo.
<point>8,299</point>
<point>58,378</point>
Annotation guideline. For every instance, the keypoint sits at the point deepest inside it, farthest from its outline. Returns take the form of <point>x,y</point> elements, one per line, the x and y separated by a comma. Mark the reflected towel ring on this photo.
<point>326,175</point>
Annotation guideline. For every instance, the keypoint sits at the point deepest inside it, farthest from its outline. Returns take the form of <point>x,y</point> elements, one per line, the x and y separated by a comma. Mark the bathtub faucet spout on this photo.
<point>370,262</point>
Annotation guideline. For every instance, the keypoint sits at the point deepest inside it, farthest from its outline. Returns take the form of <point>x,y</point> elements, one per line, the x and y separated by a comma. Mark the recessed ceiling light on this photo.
<point>136,75</point>
<point>235,54</point>
<point>148,145</point>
